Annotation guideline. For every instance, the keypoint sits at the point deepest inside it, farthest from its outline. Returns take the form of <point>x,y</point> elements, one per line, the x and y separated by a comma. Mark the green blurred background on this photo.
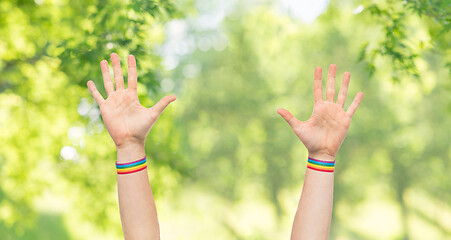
<point>222,163</point>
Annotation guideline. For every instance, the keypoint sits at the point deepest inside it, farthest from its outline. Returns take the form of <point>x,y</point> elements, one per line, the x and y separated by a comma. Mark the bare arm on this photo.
<point>128,124</point>
<point>322,134</point>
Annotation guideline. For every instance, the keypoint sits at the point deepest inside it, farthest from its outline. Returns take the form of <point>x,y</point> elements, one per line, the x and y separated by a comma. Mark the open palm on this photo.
<point>324,132</point>
<point>126,120</point>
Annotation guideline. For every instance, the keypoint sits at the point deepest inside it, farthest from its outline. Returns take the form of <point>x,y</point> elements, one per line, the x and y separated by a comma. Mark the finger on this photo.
<point>118,77</point>
<point>97,96</point>
<point>163,103</point>
<point>109,87</point>
<point>291,120</point>
<point>330,87</point>
<point>132,79</point>
<point>355,104</point>
<point>317,85</point>
<point>343,89</point>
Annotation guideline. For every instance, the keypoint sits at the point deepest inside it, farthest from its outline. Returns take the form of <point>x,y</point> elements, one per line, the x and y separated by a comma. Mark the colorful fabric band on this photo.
<point>131,167</point>
<point>319,165</point>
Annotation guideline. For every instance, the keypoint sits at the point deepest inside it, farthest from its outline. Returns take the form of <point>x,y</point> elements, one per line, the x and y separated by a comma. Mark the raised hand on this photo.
<point>325,130</point>
<point>126,120</point>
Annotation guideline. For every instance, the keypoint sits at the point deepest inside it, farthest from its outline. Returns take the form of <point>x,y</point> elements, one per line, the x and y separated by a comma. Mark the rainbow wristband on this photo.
<point>131,167</point>
<point>322,166</point>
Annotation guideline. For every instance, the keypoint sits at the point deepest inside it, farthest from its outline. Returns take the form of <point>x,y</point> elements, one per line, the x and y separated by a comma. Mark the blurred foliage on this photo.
<point>221,158</point>
<point>403,41</point>
<point>268,63</point>
<point>48,51</point>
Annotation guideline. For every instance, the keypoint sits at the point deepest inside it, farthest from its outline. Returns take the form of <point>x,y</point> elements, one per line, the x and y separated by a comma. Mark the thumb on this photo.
<point>162,104</point>
<point>291,120</point>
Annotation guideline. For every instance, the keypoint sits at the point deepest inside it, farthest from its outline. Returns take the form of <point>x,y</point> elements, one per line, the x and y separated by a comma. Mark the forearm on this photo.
<point>322,134</point>
<point>128,123</point>
<point>313,216</point>
<point>136,203</point>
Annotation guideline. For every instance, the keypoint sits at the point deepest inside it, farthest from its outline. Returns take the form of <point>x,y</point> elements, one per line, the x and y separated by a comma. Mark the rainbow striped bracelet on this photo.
<point>319,165</point>
<point>131,167</point>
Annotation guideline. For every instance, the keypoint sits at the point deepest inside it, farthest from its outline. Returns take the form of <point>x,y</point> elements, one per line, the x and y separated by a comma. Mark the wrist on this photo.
<point>130,151</point>
<point>129,145</point>
<point>322,156</point>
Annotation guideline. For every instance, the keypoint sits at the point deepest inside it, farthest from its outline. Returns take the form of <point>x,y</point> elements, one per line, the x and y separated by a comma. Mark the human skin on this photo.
<point>128,124</point>
<point>322,134</point>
